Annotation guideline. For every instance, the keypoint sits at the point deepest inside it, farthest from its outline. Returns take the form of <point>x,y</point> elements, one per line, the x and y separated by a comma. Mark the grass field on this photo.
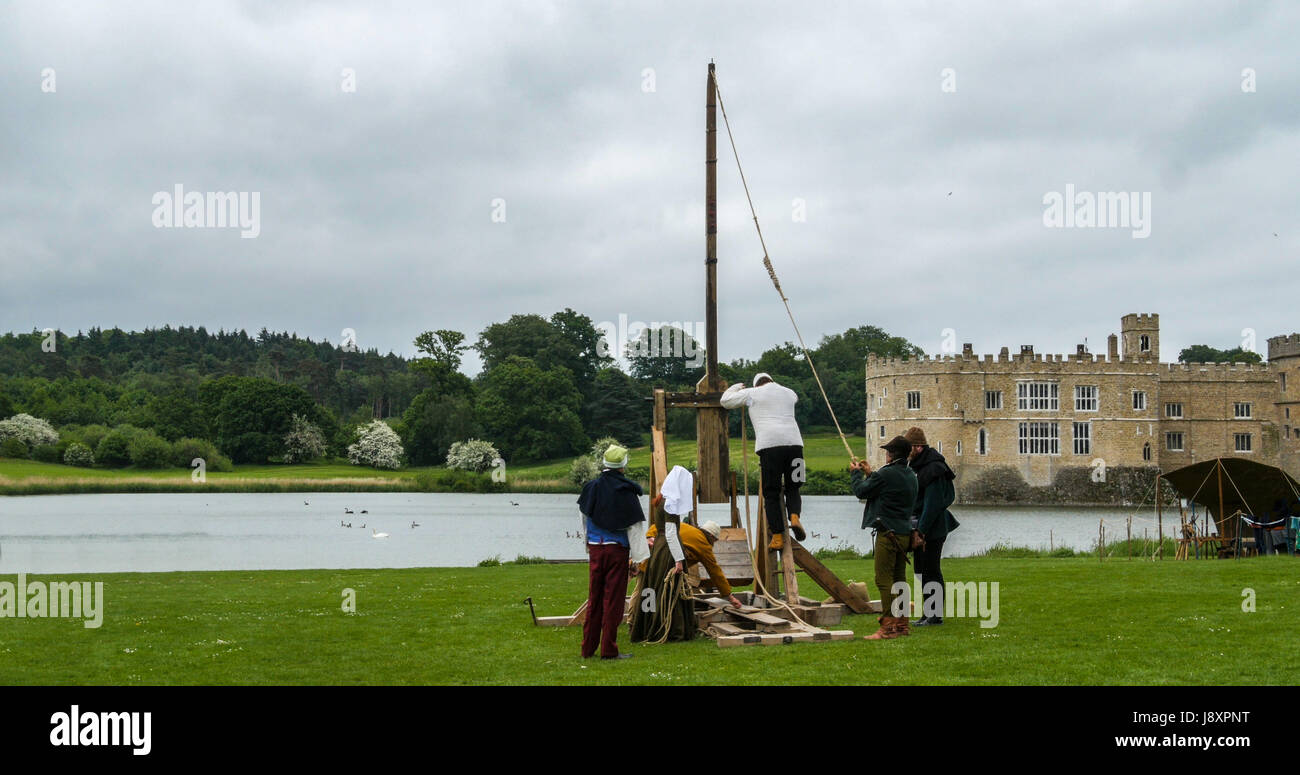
<point>1061,621</point>
<point>18,477</point>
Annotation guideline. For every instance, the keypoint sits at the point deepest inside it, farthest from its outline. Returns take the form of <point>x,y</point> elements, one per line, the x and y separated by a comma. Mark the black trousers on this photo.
<point>778,465</point>
<point>927,564</point>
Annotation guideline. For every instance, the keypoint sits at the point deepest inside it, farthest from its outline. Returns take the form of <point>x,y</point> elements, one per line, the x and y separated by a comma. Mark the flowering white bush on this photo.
<point>598,449</point>
<point>78,454</point>
<point>584,469</point>
<point>303,442</point>
<point>377,445</point>
<point>472,455</point>
<point>32,431</point>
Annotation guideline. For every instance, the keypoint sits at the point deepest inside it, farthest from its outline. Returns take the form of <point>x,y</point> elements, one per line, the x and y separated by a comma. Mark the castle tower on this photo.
<point>1284,358</point>
<point>1141,335</point>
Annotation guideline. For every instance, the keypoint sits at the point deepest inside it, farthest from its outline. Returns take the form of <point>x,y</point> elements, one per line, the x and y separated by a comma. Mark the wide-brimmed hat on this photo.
<point>712,529</point>
<point>615,457</point>
<point>898,447</point>
<point>916,437</point>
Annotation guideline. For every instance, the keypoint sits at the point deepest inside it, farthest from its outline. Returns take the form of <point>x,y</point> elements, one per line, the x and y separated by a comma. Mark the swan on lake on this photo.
<point>374,534</point>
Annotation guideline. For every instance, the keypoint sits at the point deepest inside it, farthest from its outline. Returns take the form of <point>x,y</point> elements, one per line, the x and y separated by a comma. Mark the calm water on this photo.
<point>104,533</point>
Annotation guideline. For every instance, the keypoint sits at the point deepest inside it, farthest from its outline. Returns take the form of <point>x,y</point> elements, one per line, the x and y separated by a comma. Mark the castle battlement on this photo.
<point>1144,319</point>
<point>1175,372</point>
<point>1283,346</point>
<point>1005,363</point>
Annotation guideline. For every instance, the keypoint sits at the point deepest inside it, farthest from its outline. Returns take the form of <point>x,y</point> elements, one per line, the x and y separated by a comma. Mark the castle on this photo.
<point>1042,414</point>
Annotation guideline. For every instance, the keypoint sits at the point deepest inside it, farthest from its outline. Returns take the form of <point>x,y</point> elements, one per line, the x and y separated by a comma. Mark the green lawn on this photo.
<point>1062,621</point>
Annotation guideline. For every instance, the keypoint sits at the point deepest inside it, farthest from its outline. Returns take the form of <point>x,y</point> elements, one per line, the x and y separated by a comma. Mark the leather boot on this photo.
<point>797,528</point>
<point>886,632</point>
<point>778,541</point>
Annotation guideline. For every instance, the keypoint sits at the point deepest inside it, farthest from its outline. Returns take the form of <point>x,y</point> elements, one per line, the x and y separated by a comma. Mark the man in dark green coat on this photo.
<point>890,494</point>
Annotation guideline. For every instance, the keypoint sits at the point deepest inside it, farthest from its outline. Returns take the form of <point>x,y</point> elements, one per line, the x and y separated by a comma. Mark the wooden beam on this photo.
<point>783,638</point>
<point>828,581</point>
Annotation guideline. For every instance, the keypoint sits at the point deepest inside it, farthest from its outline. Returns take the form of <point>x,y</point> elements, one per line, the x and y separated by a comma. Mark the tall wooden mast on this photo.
<point>713,463</point>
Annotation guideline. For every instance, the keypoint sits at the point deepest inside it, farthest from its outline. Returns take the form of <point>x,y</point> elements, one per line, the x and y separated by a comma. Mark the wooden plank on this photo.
<point>828,581</point>
<point>726,628</point>
<point>758,617</point>
<point>658,457</point>
<point>555,621</point>
<point>787,567</point>
<point>783,638</point>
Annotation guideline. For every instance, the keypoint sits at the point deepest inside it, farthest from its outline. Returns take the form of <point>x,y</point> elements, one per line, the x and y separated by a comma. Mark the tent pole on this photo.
<point>1160,519</point>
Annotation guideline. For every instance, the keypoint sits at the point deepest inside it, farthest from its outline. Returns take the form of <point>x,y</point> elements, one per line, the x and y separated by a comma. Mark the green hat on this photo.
<point>615,457</point>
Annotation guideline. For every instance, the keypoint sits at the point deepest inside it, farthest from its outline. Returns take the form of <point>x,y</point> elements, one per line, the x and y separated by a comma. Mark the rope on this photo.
<point>771,273</point>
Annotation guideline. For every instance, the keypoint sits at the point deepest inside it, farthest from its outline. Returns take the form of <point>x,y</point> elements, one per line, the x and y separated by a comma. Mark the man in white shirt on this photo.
<point>779,446</point>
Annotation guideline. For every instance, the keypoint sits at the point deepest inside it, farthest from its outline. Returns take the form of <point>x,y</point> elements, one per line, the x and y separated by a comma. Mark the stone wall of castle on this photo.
<point>1085,411</point>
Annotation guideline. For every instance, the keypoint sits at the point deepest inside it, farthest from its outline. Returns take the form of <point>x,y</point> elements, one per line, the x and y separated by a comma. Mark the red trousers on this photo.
<point>606,596</point>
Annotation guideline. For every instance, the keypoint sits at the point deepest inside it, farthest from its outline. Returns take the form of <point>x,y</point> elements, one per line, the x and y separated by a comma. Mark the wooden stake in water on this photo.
<point>1101,540</point>
<point>1129,536</point>
<point>1050,542</point>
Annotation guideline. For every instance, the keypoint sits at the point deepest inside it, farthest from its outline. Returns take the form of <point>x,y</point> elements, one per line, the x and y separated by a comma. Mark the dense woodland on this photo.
<point>545,390</point>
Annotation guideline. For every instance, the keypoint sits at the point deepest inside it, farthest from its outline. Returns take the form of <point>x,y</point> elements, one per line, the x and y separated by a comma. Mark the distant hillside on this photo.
<point>162,359</point>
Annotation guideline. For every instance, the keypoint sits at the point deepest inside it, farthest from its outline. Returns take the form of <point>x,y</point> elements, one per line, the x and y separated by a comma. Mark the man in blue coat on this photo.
<point>610,505</point>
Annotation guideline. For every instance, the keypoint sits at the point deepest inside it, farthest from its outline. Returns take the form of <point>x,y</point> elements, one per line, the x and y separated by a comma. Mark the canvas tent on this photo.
<point>1228,485</point>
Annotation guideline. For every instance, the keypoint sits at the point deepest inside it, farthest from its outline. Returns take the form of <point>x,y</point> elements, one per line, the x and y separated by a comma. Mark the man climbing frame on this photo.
<point>780,450</point>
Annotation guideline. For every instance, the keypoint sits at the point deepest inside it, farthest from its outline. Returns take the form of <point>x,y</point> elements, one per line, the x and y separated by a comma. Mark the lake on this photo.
<point>266,531</point>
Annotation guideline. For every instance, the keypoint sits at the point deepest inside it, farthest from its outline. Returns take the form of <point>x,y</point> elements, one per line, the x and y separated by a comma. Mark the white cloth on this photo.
<point>638,547</point>
<point>771,410</point>
<point>674,545</point>
<point>679,491</point>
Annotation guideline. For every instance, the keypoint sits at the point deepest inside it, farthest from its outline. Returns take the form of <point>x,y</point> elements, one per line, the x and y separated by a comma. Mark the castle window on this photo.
<point>982,446</point>
<point>882,431</point>
<point>1144,343</point>
<point>1174,441</point>
<point>959,446</point>
<point>1284,380</point>
<point>1139,401</point>
<point>1241,442</point>
<point>880,402</point>
<point>1146,452</point>
<point>1083,438</point>
<point>1085,398</point>
<point>992,399</point>
<point>938,447</point>
<point>913,399</point>
<point>1241,410</point>
<point>1038,396</point>
<point>1174,411</point>
<point>1040,438</point>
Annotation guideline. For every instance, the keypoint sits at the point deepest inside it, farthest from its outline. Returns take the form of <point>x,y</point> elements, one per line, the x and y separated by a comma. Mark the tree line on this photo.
<point>548,386</point>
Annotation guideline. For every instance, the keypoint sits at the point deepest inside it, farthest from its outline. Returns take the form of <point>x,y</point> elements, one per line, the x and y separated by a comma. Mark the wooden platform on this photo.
<point>756,624</point>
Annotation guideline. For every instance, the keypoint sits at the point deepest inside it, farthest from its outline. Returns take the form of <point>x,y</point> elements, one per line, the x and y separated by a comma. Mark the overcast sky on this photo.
<point>376,205</point>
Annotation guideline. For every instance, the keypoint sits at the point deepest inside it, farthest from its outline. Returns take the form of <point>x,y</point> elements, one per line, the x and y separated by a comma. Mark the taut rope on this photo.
<point>771,272</point>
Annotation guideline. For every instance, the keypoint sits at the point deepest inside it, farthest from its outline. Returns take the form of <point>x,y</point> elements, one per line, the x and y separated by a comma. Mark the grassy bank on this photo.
<point>1061,621</point>
<point>824,453</point>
